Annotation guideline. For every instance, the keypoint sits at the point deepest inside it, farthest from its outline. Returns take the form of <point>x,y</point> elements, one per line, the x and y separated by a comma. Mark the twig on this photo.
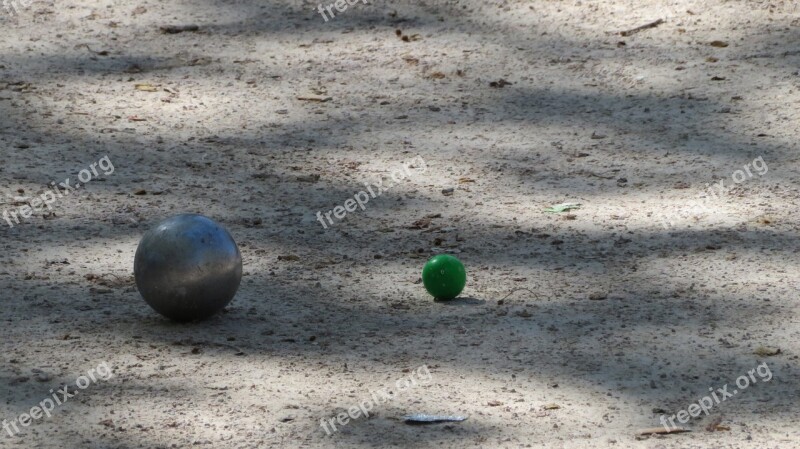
<point>662,431</point>
<point>518,289</point>
<point>175,29</point>
<point>239,351</point>
<point>317,99</point>
<point>101,52</point>
<point>640,28</point>
<point>225,345</point>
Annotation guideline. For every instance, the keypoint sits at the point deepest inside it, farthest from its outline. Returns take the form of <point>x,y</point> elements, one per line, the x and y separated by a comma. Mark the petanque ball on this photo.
<point>444,276</point>
<point>188,267</point>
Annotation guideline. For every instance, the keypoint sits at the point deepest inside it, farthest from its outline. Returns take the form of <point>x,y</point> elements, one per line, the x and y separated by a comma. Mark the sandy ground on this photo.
<point>632,306</point>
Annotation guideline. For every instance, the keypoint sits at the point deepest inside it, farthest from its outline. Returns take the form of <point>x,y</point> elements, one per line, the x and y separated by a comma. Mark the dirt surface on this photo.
<point>631,307</point>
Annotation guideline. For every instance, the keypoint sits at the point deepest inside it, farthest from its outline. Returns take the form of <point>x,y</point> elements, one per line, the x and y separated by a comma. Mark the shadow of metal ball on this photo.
<point>188,267</point>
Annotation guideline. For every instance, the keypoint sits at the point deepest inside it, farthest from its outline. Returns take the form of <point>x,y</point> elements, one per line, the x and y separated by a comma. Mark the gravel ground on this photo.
<point>576,329</point>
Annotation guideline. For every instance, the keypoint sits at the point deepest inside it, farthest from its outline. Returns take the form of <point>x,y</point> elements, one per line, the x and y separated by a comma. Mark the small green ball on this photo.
<point>444,276</point>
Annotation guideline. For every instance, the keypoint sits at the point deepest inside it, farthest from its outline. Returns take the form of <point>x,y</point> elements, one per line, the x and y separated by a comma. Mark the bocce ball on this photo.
<point>188,267</point>
<point>444,276</point>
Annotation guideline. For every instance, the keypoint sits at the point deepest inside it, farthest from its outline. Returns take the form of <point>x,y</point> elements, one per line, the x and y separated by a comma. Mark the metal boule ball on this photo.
<point>188,267</point>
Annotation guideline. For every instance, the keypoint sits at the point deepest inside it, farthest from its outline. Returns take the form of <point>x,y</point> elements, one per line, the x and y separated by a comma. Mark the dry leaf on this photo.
<point>421,223</point>
<point>500,83</point>
<point>107,423</point>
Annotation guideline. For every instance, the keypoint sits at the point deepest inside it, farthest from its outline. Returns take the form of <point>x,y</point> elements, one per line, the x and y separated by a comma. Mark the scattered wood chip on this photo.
<point>198,61</point>
<point>718,44</point>
<point>764,220</point>
<point>717,78</point>
<point>424,222</point>
<point>412,38</point>
<point>766,351</point>
<point>494,403</point>
<point>289,258</point>
<point>712,426</point>
<point>308,178</point>
<point>145,87</point>
<point>551,406</point>
<point>646,26</point>
<point>499,84</point>
<point>598,296</point>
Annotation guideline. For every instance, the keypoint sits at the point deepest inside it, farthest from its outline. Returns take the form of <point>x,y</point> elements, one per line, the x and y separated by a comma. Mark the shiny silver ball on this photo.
<point>188,267</point>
